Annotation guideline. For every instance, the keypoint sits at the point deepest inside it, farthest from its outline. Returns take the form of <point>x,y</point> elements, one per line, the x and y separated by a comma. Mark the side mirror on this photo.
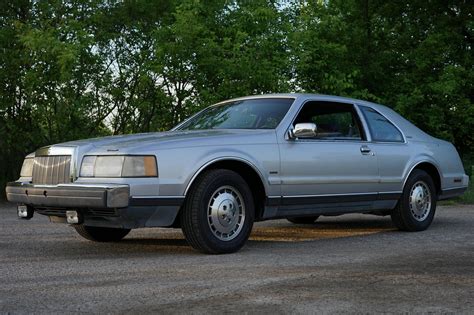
<point>303,130</point>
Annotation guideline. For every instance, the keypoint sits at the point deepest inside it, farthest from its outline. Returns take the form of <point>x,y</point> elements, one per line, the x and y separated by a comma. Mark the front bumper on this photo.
<point>101,205</point>
<point>69,195</point>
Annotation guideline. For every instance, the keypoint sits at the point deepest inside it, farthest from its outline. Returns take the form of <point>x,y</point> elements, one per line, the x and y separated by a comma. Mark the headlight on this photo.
<point>119,166</point>
<point>27,168</point>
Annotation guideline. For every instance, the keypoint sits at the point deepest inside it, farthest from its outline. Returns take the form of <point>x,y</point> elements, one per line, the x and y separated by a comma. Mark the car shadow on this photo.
<point>154,242</point>
<point>326,229</point>
<point>159,241</point>
<point>166,241</point>
<point>282,232</point>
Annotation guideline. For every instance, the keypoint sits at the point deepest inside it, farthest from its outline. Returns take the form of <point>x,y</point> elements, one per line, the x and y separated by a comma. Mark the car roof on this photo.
<point>407,127</point>
<point>303,95</point>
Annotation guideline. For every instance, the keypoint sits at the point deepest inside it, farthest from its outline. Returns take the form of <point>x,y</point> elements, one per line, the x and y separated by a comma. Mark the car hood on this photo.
<point>174,139</point>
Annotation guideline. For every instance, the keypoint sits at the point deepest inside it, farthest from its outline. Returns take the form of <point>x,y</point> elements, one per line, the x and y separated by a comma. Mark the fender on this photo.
<point>418,163</point>
<point>226,158</point>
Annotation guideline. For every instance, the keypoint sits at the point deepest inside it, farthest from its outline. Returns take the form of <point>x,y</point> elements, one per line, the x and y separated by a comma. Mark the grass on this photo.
<point>466,198</point>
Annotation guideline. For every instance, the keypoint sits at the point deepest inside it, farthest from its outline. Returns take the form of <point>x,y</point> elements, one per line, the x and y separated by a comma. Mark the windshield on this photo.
<point>262,113</point>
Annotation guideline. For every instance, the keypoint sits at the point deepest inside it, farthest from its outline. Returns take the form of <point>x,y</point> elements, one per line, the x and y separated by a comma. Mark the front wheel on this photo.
<point>101,234</point>
<point>218,214</point>
<point>416,208</point>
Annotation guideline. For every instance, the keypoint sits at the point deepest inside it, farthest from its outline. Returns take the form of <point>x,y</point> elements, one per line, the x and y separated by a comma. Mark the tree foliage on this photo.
<point>75,69</point>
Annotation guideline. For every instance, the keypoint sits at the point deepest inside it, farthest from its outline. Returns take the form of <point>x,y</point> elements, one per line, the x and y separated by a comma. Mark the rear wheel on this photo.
<point>416,208</point>
<point>101,234</point>
<point>218,213</point>
<point>303,220</point>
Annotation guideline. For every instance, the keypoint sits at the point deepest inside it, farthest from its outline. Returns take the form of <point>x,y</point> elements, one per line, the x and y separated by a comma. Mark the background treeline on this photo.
<point>85,68</point>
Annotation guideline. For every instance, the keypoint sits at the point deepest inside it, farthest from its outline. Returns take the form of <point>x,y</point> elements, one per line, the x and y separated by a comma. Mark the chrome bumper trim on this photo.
<point>69,195</point>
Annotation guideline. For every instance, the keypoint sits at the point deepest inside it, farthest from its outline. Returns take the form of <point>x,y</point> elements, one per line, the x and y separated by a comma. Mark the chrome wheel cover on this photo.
<point>420,201</point>
<point>226,213</point>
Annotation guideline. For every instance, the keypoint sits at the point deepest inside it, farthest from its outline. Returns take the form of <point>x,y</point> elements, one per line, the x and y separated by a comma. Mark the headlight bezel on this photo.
<point>150,166</point>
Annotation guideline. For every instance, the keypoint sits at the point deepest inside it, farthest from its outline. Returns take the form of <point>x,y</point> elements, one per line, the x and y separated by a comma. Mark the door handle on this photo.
<point>365,149</point>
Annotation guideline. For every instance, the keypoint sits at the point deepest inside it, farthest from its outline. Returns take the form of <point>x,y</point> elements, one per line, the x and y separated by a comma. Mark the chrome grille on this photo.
<point>52,169</point>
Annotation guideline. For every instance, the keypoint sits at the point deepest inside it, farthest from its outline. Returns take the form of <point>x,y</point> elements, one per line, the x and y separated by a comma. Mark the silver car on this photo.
<point>294,156</point>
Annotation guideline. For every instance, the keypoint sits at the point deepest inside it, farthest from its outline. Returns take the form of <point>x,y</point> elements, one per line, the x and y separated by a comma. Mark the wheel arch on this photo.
<point>429,168</point>
<point>244,168</point>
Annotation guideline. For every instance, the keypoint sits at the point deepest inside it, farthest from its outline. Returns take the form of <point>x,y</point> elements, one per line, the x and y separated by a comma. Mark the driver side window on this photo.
<point>334,121</point>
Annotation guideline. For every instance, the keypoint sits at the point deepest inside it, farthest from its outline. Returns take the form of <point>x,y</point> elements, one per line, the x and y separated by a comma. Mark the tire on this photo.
<point>218,213</point>
<point>416,208</point>
<point>101,234</point>
<point>303,220</point>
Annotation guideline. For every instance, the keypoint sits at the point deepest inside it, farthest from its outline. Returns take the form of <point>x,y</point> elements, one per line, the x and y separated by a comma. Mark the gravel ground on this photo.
<point>352,263</point>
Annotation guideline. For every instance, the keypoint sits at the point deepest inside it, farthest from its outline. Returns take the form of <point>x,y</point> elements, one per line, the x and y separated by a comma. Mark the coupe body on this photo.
<point>294,156</point>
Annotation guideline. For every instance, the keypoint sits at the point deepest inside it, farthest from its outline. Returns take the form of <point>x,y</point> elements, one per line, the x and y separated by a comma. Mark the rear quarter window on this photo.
<point>381,128</point>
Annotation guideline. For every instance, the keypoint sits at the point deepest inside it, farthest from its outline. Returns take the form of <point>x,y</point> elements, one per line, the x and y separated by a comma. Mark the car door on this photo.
<point>393,153</point>
<point>337,165</point>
